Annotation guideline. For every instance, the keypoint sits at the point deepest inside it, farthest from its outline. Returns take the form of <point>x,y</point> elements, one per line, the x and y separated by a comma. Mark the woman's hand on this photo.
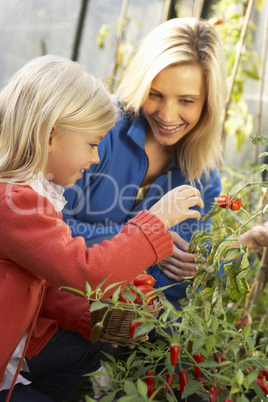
<point>181,263</point>
<point>255,237</point>
<point>173,207</point>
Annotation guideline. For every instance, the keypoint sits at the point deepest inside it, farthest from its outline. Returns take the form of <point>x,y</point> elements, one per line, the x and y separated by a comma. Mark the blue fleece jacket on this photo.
<point>102,201</point>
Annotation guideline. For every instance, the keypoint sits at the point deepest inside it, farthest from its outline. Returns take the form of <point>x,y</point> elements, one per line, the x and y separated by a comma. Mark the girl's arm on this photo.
<point>35,239</point>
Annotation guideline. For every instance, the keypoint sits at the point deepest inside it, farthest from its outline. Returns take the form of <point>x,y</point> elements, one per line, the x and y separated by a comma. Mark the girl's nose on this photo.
<point>168,112</point>
<point>94,157</point>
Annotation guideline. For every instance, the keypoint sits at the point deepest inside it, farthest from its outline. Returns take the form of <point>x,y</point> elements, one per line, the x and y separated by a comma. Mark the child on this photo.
<point>53,115</point>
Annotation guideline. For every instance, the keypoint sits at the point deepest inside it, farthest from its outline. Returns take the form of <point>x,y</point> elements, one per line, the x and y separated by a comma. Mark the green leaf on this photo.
<point>130,388</point>
<point>169,397</point>
<point>242,398</point>
<point>217,301</point>
<point>265,209</point>
<point>130,359</point>
<point>191,388</point>
<point>223,379</point>
<point>142,388</point>
<point>143,329</point>
<point>109,398</point>
<point>97,305</point>
<point>246,331</point>
<point>216,209</point>
<point>236,284</point>
<point>88,399</point>
<point>101,284</point>
<point>206,294</point>
<point>231,253</point>
<point>234,390</point>
<point>72,290</point>
<point>198,280</point>
<point>88,287</point>
<point>263,167</point>
<point>94,373</point>
<point>239,377</point>
<point>214,325</point>
<point>128,398</point>
<point>207,309</point>
<point>113,285</point>
<point>198,343</point>
<point>234,348</point>
<point>263,154</point>
<point>210,364</point>
<point>116,294</point>
<point>251,343</point>
<point>251,377</point>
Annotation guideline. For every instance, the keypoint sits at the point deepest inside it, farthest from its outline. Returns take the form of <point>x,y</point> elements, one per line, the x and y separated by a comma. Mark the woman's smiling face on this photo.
<point>175,102</point>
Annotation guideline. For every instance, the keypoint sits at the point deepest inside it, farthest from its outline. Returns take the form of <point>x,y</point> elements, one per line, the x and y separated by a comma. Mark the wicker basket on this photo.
<point>116,323</point>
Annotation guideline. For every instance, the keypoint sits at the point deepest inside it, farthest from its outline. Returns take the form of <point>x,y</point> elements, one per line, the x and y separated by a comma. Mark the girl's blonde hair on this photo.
<point>48,91</point>
<point>183,41</point>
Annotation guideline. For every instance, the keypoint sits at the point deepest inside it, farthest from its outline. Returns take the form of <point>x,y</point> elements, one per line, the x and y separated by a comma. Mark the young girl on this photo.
<point>53,115</point>
<point>172,97</point>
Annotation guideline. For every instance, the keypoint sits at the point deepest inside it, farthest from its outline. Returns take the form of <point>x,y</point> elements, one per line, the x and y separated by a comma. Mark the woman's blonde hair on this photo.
<point>48,91</point>
<point>183,41</point>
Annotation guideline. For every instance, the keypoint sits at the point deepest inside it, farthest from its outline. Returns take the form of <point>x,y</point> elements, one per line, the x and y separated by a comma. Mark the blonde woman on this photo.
<point>172,97</point>
<point>53,115</point>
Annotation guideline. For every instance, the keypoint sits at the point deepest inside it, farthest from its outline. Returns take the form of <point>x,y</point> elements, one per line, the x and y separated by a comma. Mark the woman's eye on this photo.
<point>186,101</point>
<point>153,95</point>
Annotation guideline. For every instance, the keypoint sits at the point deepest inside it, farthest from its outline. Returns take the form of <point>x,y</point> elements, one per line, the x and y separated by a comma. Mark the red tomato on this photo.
<point>126,290</point>
<point>216,21</point>
<point>236,204</point>
<point>223,200</point>
<point>144,279</point>
<point>146,289</point>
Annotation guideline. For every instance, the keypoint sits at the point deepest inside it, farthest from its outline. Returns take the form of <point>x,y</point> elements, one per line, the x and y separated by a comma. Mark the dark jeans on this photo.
<point>58,369</point>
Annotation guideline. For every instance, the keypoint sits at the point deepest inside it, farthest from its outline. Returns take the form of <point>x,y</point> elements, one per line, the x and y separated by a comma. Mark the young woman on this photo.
<point>171,97</point>
<point>53,115</point>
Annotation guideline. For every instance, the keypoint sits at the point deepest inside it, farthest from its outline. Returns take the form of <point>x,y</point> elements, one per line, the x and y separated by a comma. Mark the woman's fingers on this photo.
<point>179,241</point>
<point>177,276</point>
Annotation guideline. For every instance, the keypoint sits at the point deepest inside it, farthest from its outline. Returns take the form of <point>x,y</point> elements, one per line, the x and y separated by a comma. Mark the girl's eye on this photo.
<point>93,146</point>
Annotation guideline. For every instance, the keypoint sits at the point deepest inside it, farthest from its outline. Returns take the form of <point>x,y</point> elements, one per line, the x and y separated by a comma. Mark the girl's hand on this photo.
<point>181,263</point>
<point>173,207</point>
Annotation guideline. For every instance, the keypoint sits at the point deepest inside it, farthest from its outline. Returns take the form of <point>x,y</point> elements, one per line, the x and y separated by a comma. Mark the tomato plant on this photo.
<point>222,344</point>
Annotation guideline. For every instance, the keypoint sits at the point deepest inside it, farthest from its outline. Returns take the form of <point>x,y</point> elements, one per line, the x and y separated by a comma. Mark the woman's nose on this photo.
<point>168,112</point>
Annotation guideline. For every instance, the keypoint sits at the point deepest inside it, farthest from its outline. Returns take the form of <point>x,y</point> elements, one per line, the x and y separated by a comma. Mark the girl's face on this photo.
<point>175,102</point>
<point>70,153</point>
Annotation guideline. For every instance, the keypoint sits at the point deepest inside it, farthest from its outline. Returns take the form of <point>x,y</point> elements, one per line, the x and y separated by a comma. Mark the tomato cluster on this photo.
<point>216,20</point>
<point>143,284</point>
<point>234,205</point>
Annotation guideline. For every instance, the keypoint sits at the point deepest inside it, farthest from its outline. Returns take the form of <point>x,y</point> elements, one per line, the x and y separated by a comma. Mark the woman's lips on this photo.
<point>170,129</point>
